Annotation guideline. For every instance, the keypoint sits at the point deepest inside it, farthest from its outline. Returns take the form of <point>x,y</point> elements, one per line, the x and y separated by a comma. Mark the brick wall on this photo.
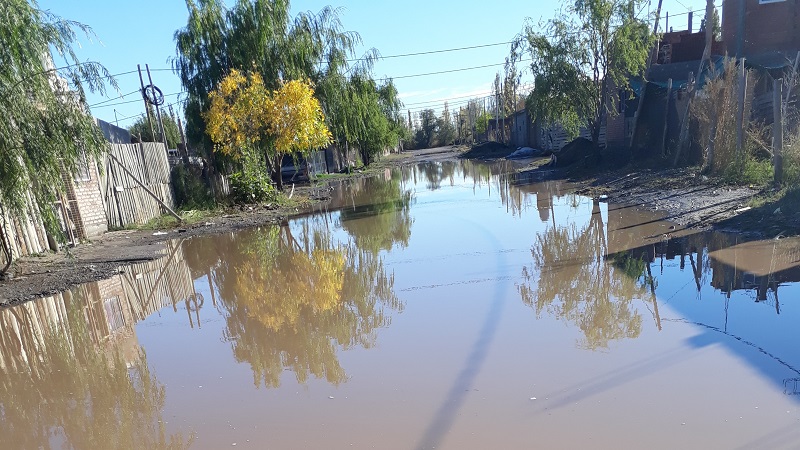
<point>767,27</point>
<point>86,208</point>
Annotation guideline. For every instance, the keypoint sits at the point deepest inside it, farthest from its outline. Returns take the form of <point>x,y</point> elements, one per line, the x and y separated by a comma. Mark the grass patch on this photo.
<point>167,221</point>
<point>749,171</point>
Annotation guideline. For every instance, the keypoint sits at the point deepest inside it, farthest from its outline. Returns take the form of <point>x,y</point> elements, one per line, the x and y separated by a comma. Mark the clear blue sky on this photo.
<point>141,32</point>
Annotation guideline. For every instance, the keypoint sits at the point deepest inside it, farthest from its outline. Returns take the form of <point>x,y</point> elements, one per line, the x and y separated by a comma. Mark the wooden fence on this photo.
<point>126,201</point>
<point>152,285</point>
<point>25,235</point>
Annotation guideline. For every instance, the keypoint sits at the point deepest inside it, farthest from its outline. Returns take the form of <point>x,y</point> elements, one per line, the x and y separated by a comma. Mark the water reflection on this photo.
<point>72,374</point>
<point>287,300</point>
<point>293,297</point>
<point>576,284</point>
<point>386,205</point>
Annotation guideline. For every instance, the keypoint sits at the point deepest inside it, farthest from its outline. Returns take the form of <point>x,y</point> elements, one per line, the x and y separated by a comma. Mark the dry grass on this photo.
<point>715,109</point>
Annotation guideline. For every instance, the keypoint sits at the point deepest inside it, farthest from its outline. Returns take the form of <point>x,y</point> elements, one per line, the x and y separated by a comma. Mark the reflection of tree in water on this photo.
<point>292,301</point>
<point>578,285</point>
<point>383,216</point>
<point>59,388</point>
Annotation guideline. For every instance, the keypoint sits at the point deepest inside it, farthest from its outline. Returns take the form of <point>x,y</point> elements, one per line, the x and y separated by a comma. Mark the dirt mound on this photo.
<point>488,150</point>
<point>575,151</point>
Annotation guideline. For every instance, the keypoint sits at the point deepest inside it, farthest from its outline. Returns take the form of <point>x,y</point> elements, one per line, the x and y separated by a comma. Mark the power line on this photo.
<point>445,71</point>
<point>481,94</point>
<point>441,51</point>
<point>138,100</point>
<point>113,99</point>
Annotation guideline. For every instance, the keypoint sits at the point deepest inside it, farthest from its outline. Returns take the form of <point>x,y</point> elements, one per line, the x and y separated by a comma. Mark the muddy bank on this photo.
<point>680,195</point>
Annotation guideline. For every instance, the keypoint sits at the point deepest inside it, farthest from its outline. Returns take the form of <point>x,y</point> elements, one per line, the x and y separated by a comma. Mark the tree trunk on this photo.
<point>277,173</point>
<point>274,166</point>
<point>5,246</point>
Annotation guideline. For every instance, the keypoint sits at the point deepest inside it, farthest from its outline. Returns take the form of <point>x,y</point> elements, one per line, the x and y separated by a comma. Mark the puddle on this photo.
<point>448,305</point>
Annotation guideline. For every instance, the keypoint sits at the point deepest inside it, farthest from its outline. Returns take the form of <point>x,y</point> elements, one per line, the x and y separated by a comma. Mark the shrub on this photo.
<point>249,186</point>
<point>191,191</point>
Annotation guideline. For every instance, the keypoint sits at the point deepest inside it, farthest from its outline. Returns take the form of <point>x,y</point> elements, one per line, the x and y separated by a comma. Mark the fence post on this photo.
<point>777,130</point>
<point>690,87</point>
<point>740,123</point>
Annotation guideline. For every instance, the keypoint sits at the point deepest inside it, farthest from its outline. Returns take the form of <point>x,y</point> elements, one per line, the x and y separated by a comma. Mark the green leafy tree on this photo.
<point>142,131</point>
<point>428,129</point>
<point>252,36</point>
<point>447,132</point>
<point>44,127</point>
<point>585,53</point>
<point>482,123</point>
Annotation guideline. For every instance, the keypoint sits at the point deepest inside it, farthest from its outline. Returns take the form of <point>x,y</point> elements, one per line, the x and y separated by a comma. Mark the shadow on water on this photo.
<point>447,412</point>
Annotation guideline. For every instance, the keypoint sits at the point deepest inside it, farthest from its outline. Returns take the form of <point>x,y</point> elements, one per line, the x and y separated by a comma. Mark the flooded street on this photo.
<point>446,305</point>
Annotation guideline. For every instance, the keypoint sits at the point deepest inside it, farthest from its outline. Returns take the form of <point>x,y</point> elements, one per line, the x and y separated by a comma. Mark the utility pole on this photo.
<point>777,130</point>
<point>496,116</point>
<point>410,125</point>
<point>158,109</point>
<point>146,104</point>
<point>740,110</point>
<point>644,78</point>
<point>185,152</point>
<point>503,110</point>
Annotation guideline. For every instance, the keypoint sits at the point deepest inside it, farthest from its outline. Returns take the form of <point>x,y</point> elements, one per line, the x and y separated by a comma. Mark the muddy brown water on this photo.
<point>446,305</point>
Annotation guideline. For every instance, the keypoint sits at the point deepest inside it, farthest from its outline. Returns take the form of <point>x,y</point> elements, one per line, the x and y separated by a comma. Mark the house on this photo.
<point>763,31</point>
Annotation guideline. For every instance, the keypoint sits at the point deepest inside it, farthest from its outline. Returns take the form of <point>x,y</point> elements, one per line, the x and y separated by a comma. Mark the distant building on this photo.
<point>764,31</point>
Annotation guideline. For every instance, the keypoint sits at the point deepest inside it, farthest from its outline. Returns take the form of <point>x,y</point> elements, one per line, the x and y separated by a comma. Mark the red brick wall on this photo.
<point>767,27</point>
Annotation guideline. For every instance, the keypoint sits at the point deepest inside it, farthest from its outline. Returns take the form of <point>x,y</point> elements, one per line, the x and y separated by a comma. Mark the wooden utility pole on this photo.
<point>707,60</point>
<point>684,134</point>
<point>792,80</point>
<point>693,86</point>
<point>777,130</point>
<point>146,104</point>
<point>666,118</point>
<point>653,51</point>
<point>503,111</point>
<point>740,123</point>
<point>185,152</point>
<point>158,108</point>
<point>496,116</point>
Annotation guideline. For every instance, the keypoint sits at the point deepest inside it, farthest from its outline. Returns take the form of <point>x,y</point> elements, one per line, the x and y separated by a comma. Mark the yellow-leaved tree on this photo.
<point>250,122</point>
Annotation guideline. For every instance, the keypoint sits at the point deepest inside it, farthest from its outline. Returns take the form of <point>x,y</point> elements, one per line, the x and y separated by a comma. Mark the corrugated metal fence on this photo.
<point>126,201</point>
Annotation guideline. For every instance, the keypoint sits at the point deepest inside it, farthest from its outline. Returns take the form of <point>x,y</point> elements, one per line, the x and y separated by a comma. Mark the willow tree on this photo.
<point>44,127</point>
<point>253,35</point>
<point>246,119</point>
<point>590,50</point>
